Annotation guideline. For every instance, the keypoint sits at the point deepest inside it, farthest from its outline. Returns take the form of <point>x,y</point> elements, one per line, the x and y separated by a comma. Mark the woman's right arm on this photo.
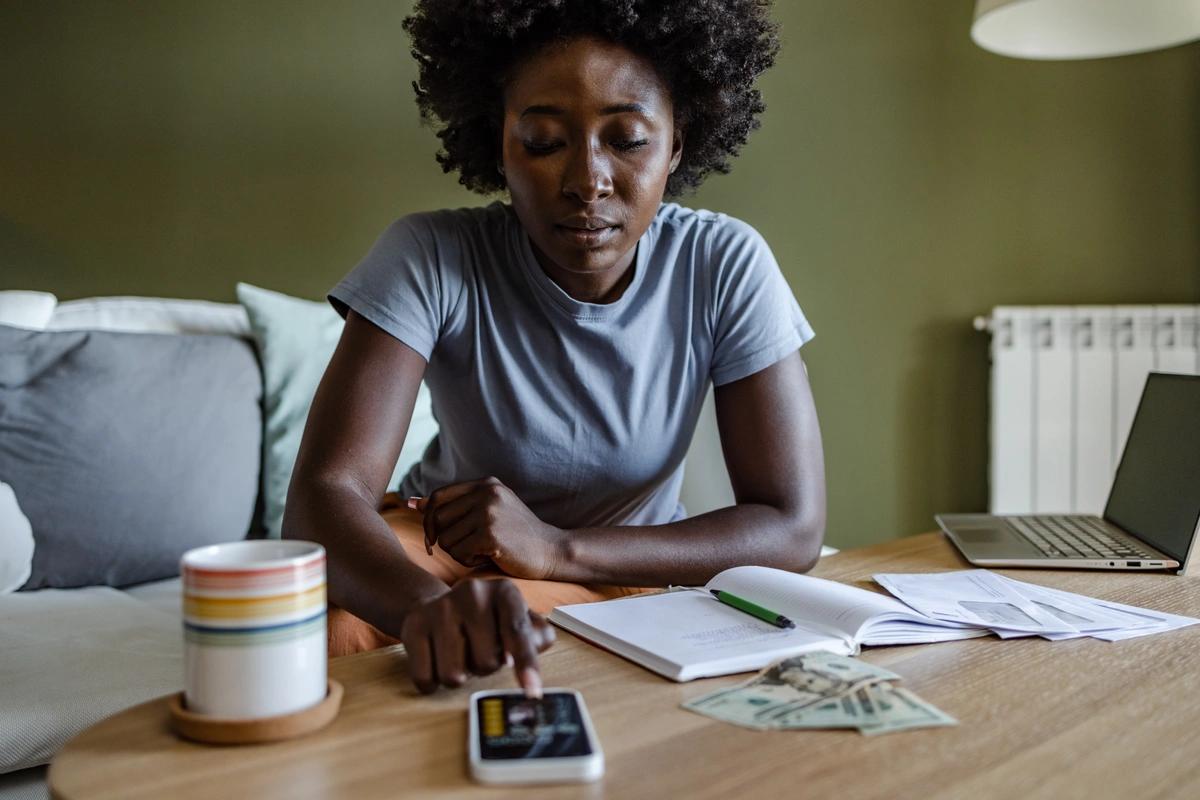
<point>356,428</point>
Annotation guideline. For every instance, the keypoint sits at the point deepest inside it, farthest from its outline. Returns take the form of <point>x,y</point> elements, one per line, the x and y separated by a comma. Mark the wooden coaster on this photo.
<point>222,730</point>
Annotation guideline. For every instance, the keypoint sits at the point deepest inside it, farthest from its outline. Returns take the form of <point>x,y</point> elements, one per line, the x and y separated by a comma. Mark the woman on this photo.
<point>568,340</point>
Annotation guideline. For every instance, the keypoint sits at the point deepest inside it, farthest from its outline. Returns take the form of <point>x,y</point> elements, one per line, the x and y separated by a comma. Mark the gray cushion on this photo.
<point>125,449</point>
<point>26,784</point>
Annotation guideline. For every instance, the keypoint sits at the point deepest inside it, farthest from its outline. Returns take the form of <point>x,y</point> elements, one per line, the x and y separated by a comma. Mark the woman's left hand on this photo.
<point>481,522</point>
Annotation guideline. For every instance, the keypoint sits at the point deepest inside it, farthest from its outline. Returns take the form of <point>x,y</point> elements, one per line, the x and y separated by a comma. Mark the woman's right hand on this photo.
<point>475,628</point>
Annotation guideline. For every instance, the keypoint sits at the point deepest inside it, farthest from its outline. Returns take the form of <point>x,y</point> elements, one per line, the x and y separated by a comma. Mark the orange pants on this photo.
<point>349,634</point>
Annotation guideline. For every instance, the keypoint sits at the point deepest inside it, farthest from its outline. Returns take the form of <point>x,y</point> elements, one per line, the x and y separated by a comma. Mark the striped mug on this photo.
<point>254,628</point>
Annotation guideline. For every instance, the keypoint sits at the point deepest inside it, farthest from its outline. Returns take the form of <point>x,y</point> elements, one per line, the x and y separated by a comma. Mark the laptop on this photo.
<point>1151,520</point>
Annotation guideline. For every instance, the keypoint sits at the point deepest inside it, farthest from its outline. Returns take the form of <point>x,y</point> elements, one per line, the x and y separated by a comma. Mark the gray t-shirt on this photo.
<point>585,410</point>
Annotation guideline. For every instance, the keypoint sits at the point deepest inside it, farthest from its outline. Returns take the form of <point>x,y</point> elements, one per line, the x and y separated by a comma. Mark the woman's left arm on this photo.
<point>772,446</point>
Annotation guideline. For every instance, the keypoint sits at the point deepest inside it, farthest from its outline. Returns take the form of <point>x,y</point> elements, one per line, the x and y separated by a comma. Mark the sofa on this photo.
<point>132,429</point>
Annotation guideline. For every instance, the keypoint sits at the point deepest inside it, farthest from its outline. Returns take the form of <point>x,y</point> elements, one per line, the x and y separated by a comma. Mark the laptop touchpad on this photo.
<point>995,543</point>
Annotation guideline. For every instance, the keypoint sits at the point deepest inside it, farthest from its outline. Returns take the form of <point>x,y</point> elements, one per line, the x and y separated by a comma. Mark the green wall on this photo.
<point>906,179</point>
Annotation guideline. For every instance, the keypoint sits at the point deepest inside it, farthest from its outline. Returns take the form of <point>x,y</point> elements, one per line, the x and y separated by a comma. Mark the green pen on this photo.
<point>741,604</point>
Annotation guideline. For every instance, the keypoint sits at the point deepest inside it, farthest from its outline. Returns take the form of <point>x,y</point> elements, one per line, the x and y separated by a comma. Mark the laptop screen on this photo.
<point>1156,492</point>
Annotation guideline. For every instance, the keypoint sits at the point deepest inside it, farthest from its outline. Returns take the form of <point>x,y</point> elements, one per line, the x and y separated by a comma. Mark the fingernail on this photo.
<point>412,502</point>
<point>531,679</point>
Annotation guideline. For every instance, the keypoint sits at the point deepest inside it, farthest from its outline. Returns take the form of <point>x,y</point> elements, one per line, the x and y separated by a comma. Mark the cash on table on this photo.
<point>821,690</point>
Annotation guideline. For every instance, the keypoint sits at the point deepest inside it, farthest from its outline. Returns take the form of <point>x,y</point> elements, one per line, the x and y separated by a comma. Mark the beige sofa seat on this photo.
<point>72,657</point>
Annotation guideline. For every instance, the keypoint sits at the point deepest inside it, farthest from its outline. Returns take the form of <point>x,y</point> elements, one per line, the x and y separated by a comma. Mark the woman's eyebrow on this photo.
<point>620,108</point>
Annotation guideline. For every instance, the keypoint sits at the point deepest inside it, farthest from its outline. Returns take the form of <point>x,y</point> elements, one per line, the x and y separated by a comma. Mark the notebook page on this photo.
<point>686,628</point>
<point>818,603</point>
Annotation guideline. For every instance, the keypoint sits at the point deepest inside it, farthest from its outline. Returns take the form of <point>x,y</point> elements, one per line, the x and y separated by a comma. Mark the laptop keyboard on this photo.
<point>1075,537</point>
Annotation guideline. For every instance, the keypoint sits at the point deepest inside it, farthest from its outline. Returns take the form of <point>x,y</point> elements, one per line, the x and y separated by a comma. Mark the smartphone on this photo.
<point>512,739</point>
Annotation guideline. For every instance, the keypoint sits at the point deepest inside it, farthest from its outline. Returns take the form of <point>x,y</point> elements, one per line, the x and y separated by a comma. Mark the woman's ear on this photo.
<point>676,148</point>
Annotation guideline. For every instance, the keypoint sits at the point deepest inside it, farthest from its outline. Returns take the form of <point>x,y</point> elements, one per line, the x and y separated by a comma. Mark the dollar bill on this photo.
<point>832,665</point>
<point>856,709</point>
<point>820,690</point>
<point>899,709</point>
<point>791,685</point>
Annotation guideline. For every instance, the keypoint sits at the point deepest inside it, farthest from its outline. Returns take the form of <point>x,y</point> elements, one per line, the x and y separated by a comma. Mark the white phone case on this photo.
<point>570,769</point>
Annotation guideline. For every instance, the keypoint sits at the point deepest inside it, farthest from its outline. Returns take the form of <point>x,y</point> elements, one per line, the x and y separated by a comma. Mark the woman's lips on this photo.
<point>585,237</point>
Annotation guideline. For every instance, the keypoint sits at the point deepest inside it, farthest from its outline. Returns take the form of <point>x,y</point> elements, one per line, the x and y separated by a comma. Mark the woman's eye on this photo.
<point>629,145</point>
<point>540,147</point>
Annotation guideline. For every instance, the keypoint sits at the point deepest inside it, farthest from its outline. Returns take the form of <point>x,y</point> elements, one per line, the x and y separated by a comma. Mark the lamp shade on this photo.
<point>1065,29</point>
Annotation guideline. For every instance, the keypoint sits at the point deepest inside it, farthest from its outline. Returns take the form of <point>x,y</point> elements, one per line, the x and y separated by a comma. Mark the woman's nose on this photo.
<point>588,177</point>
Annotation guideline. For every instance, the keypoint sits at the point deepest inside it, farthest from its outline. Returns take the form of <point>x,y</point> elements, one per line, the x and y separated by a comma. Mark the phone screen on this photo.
<point>513,726</point>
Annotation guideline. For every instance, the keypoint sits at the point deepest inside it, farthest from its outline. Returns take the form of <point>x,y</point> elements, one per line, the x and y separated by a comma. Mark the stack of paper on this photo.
<point>1011,608</point>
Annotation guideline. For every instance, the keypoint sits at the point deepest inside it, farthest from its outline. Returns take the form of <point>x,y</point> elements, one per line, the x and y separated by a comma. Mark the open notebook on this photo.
<point>687,634</point>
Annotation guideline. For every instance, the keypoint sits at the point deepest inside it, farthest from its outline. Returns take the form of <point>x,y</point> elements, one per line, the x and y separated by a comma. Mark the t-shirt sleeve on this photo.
<point>405,284</point>
<point>756,319</point>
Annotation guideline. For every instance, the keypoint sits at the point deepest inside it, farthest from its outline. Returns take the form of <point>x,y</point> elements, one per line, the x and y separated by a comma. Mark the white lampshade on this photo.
<point>1062,29</point>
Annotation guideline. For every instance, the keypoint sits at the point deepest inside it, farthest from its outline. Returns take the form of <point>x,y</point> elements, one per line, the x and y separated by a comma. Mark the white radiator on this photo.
<point>1066,381</point>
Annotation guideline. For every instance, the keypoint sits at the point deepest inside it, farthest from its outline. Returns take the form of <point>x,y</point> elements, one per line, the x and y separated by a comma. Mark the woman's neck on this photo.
<point>590,287</point>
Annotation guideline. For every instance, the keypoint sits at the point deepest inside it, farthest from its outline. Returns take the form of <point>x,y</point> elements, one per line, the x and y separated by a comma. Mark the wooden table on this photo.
<point>1079,718</point>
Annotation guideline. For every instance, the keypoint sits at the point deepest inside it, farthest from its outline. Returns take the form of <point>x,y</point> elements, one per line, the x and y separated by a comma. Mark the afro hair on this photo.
<point>708,52</point>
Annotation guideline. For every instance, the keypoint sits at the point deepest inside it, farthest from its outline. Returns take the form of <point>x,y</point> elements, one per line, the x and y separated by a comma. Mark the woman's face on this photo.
<point>588,142</point>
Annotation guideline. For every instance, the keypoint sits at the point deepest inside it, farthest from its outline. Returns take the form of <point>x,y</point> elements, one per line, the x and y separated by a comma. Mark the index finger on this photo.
<point>519,638</point>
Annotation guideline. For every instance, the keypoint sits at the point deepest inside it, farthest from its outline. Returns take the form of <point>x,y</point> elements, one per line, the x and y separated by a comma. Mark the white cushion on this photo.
<point>165,595</point>
<point>26,309</point>
<point>16,542</point>
<point>705,484</point>
<point>150,315</point>
<point>70,657</point>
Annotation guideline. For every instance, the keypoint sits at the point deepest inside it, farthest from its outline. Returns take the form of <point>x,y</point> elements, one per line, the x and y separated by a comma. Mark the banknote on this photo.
<point>857,709</point>
<point>759,706</point>
<point>873,710</point>
<point>790,685</point>
<point>832,665</point>
<point>820,690</point>
<point>898,709</point>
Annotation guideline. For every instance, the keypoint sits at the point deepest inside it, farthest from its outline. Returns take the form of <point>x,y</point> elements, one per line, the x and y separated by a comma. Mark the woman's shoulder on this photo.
<point>712,227</point>
<point>414,277</point>
<point>713,242</point>
<point>453,224</point>
<point>430,252</point>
